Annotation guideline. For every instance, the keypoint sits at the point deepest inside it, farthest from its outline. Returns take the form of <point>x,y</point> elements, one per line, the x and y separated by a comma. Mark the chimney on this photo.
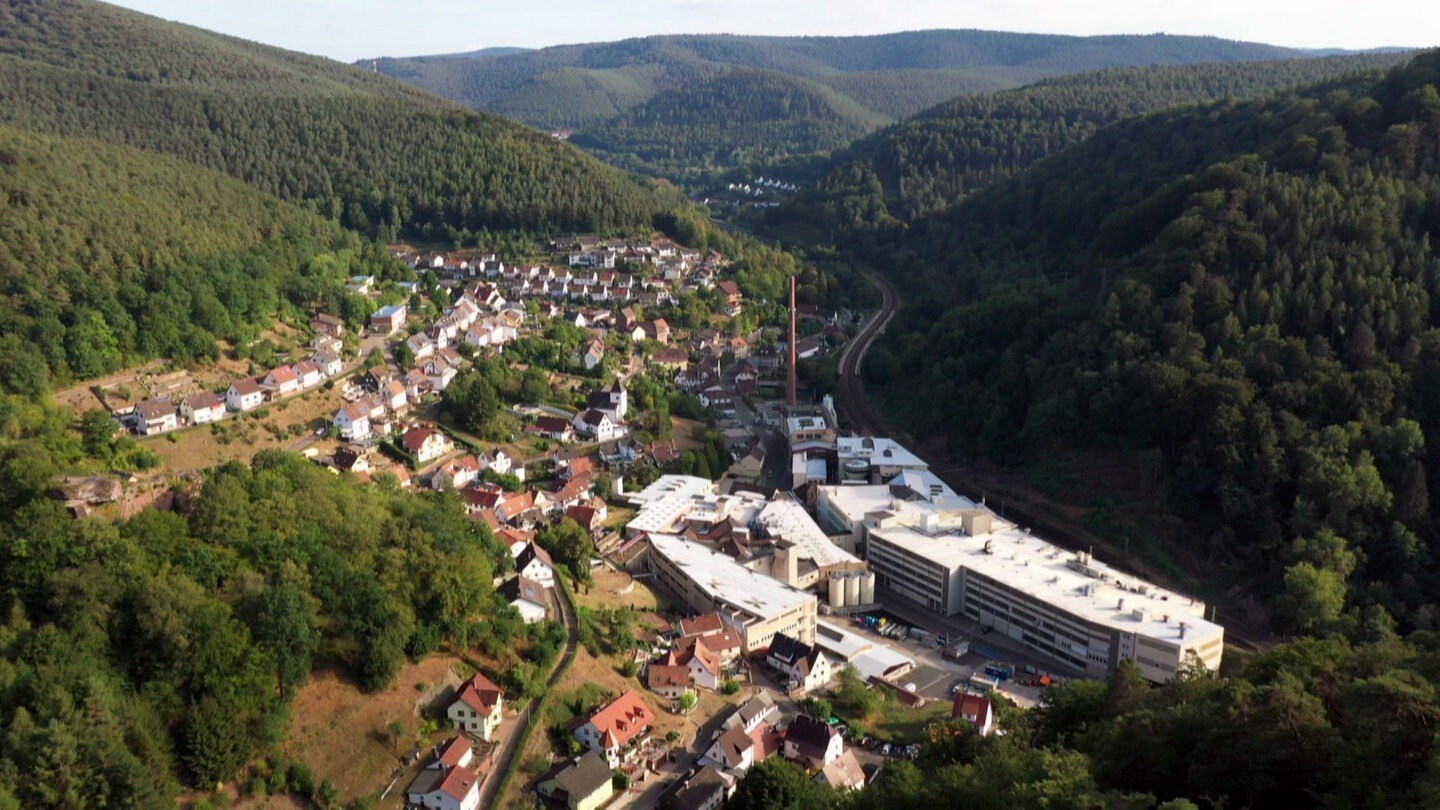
<point>790,398</point>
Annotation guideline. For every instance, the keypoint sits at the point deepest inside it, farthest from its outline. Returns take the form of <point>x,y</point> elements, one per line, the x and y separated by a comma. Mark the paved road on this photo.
<point>505,758</point>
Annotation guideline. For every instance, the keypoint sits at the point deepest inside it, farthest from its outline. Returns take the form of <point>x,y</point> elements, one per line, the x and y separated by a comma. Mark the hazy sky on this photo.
<point>352,29</point>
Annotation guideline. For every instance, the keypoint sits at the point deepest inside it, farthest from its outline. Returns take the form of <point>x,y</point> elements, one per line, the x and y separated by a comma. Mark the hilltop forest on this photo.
<point>1245,292</point>
<point>930,162</point>
<point>381,158</point>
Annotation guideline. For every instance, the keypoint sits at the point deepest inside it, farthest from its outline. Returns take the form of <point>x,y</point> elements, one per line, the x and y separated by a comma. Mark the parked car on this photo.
<point>885,750</point>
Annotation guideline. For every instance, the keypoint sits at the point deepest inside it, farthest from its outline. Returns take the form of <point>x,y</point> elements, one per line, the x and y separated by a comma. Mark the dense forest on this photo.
<point>109,254</point>
<point>933,160</point>
<point>1245,291</point>
<point>737,117</point>
<point>138,654</point>
<point>1323,724</point>
<point>384,159</point>
<point>579,86</point>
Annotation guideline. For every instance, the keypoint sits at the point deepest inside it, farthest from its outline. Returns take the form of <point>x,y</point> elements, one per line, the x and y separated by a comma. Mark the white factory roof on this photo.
<point>854,501</point>
<point>789,520</point>
<point>797,424</point>
<point>726,581</point>
<point>1073,583</point>
<point>672,501</point>
<point>867,656</point>
<point>878,452</point>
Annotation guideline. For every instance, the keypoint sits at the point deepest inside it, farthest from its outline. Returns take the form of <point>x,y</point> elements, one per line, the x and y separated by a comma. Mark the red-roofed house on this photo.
<point>975,710</point>
<point>456,788</point>
<point>425,444</point>
<point>624,721</point>
<point>457,753</point>
<point>705,625</point>
<point>281,381</point>
<point>477,707</point>
<point>668,680</point>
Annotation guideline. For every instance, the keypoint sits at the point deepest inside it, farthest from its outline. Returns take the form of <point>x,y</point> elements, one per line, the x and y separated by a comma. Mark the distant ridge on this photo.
<point>577,86</point>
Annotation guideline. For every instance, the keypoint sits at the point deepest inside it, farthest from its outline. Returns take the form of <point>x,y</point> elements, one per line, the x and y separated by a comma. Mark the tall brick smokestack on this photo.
<point>790,389</point>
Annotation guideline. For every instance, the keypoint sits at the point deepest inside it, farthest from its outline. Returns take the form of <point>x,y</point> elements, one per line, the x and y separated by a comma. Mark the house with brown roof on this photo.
<point>812,743</point>
<point>668,680</point>
<point>843,773</point>
<point>975,710</point>
<point>309,373</point>
<point>353,421</point>
<point>155,416</point>
<point>554,427</point>
<point>733,298</point>
<point>733,750</point>
<point>617,728</point>
<point>671,357</point>
<point>456,473</point>
<point>449,788</point>
<point>527,597</point>
<point>198,409</point>
<point>425,444</point>
<point>534,563</point>
<point>327,325</point>
<point>705,789</point>
<point>478,707</point>
<point>586,783</point>
<point>350,459</point>
<point>244,395</point>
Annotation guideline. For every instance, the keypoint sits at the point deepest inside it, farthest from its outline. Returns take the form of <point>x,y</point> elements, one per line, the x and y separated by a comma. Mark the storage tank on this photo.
<point>852,589</point>
<point>837,592</point>
<point>856,470</point>
<point>867,588</point>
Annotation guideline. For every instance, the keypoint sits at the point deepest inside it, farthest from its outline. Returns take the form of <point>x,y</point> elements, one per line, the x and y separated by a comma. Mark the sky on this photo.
<point>354,29</point>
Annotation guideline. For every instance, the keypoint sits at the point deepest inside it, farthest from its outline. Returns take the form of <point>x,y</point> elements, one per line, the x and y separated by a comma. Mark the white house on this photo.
<point>353,420</point>
<point>806,666</point>
<point>421,346</point>
<point>281,381</point>
<point>527,597</point>
<point>329,362</point>
<point>425,444</point>
<point>155,416</point>
<point>478,707</point>
<point>614,726</point>
<point>813,743</point>
<point>733,750</point>
<point>598,425</point>
<point>452,788</point>
<point>533,563</point>
<point>198,409</point>
<point>244,395</point>
<point>309,373</point>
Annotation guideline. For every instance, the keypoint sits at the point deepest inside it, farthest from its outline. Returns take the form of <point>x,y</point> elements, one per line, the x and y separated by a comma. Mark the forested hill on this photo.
<point>965,144</point>
<point>578,86</point>
<point>383,158</point>
<point>109,254</point>
<point>744,115</point>
<point>1243,297</point>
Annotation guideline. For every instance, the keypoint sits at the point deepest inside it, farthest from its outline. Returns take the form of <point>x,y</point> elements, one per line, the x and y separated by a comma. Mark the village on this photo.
<point>740,582</point>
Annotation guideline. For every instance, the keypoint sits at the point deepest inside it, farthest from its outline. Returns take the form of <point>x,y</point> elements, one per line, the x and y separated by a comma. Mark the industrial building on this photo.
<point>755,605</point>
<point>957,557</point>
<point>777,537</point>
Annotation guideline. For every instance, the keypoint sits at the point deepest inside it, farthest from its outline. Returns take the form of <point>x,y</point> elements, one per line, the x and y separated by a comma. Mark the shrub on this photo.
<point>730,687</point>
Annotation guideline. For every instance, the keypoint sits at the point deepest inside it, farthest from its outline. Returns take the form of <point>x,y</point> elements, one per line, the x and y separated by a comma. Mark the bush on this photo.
<point>730,687</point>
<point>301,779</point>
<point>256,787</point>
<point>620,781</point>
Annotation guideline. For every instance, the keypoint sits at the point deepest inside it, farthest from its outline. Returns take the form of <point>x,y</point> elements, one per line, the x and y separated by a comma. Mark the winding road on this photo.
<point>505,760</point>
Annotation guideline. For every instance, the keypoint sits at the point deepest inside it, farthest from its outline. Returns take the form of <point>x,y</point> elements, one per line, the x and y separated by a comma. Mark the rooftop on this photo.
<point>726,581</point>
<point>1073,582</point>
<point>876,451</point>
